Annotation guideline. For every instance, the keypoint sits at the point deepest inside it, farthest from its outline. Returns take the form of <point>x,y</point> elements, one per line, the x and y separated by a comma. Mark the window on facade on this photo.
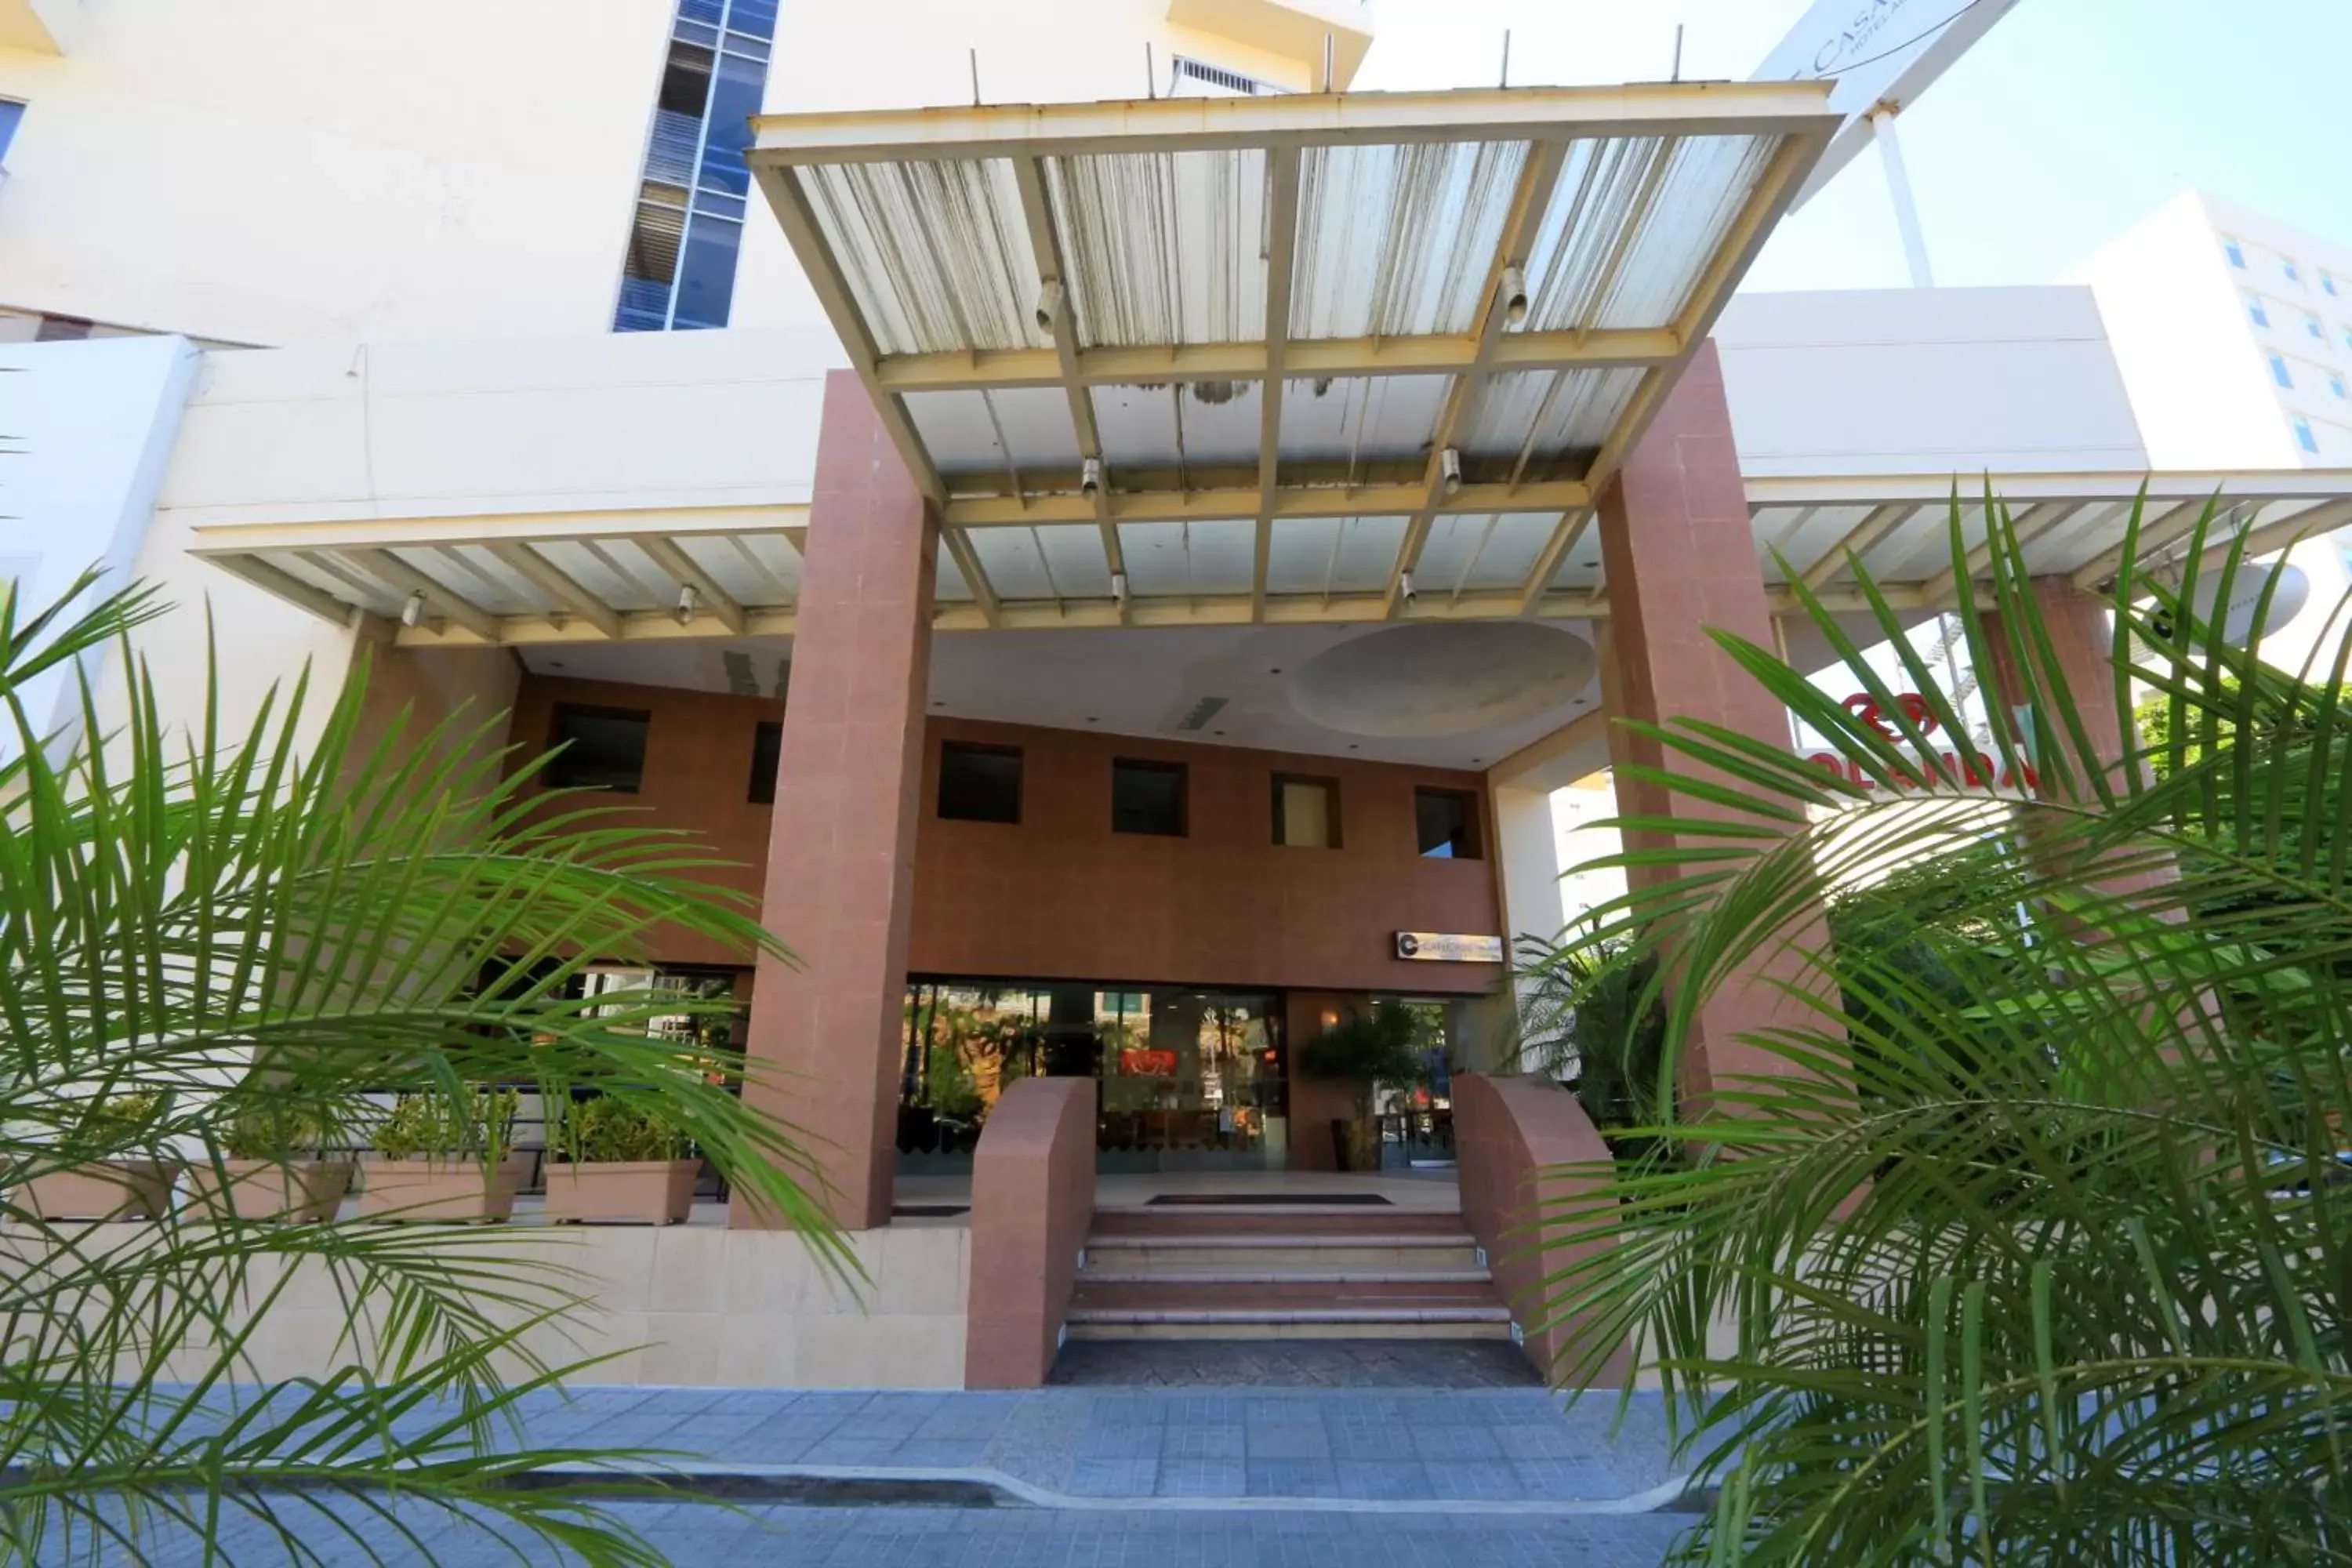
<point>2327,282</point>
<point>1148,797</point>
<point>603,748</point>
<point>767,754</point>
<point>11,114</point>
<point>1444,822</point>
<point>1306,812</point>
<point>2304,437</point>
<point>1189,78</point>
<point>2311,324</point>
<point>2255,313</point>
<point>679,268</point>
<point>2279,372</point>
<point>2286,265</point>
<point>980,783</point>
<point>2335,385</point>
<point>2236,252</point>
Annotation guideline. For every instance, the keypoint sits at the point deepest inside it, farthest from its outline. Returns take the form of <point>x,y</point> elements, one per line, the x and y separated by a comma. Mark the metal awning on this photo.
<point>2069,525</point>
<point>1466,305</point>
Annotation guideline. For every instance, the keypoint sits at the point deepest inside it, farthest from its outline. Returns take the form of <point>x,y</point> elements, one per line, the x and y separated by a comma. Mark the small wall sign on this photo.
<point>1448,947</point>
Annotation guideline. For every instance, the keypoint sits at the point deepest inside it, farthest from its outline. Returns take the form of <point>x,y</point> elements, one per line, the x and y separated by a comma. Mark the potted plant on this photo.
<point>434,1160</point>
<point>610,1163</point>
<point>273,1166</point>
<point>124,1187</point>
<point>1383,1045</point>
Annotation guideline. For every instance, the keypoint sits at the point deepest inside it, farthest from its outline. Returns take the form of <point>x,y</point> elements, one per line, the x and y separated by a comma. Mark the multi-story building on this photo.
<point>1118,537</point>
<point>2233,332</point>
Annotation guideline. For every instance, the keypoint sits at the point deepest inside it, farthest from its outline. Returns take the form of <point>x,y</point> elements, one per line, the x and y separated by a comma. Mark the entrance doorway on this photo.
<point>1189,1078</point>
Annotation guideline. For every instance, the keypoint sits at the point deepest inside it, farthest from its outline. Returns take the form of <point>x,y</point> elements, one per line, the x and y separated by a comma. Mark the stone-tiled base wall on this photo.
<point>692,1305</point>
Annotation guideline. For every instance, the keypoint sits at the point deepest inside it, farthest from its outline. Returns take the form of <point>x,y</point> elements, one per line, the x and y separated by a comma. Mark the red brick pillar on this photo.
<point>2082,643</point>
<point>840,854</point>
<point>1680,557</point>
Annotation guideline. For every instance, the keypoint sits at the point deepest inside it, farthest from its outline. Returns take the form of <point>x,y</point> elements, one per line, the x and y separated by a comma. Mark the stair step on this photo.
<point>1268,1241</point>
<point>1288,1226</point>
<point>1091,1274</point>
<point>1400,1323</point>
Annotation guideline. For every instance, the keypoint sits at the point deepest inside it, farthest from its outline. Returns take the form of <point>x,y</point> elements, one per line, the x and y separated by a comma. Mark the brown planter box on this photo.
<point>440,1189</point>
<point>307,1192</point>
<point>1356,1145</point>
<point>626,1192</point>
<point>111,1189</point>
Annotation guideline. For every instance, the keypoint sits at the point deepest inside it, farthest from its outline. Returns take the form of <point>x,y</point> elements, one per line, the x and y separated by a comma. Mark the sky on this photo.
<point>2066,123</point>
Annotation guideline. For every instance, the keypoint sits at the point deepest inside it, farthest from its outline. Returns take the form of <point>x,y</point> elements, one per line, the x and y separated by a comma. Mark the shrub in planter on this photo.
<point>131,1187</point>
<point>611,1162</point>
<point>273,1166</point>
<point>438,1161</point>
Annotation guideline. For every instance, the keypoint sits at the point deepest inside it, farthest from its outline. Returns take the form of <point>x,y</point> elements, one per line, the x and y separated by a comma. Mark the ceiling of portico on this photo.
<point>1165,685</point>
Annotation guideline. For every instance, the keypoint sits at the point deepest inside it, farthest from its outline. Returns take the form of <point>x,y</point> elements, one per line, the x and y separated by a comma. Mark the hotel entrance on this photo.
<point>1189,1079</point>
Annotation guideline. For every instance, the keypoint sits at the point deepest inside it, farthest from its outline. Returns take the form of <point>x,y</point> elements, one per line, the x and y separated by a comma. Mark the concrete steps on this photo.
<point>1291,1271</point>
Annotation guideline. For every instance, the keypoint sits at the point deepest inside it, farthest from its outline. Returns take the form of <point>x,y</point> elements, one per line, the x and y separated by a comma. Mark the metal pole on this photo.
<point>1899,184</point>
<point>1678,51</point>
<point>1327,62</point>
<point>1507,59</point>
<point>975,77</point>
<point>1150,72</point>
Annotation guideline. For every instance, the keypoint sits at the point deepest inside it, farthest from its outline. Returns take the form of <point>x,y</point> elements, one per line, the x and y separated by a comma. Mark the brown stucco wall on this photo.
<point>698,775</point>
<point>1060,895</point>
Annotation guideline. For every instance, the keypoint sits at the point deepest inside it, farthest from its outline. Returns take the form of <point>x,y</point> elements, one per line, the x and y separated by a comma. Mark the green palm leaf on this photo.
<point>2032,1246</point>
<point>208,931</point>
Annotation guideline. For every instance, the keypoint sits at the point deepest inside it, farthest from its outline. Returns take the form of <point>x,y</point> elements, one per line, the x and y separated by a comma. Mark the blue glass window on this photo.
<point>2236,252</point>
<point>2256,312</point>
<point>2279,371</point>
<point>11,111</point>
<point>2335,386</point>
<point>2327,282</point>
<point>679,270</point>
<point>2286,265</point>
<point>2311,324</point>
<point>2304,437</point>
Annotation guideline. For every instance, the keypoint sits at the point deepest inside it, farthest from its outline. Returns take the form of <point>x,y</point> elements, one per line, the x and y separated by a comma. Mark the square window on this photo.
<point>1306,812</point>
<point>766,755</point>
<point>2236,252</point>
<point>603,748</point>
<point>2279,372</point>
<point>980,783</point>
<point>1445,824</point>
<point>2304,437</point>
<point>1148,797</point>
<point>2256,312</point>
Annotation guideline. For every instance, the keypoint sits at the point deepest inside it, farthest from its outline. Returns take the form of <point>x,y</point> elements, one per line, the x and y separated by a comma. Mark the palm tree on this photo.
<point>2032,1245</point>
<point>207,936</point>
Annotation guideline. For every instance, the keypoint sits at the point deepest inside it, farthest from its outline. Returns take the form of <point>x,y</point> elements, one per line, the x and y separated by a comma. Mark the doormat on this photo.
<point>1254,1200</point>
<point>928,1211</point>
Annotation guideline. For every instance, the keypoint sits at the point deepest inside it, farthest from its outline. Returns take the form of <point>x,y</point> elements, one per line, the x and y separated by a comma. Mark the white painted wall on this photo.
<point>2197,364</point>
<point>2188,353</point>
<point>1924,381</point>
<point>90,427</point>
<point>283,171</point>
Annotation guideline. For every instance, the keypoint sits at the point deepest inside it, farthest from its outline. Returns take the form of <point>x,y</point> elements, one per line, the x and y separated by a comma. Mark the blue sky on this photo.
<point>2065,124</point>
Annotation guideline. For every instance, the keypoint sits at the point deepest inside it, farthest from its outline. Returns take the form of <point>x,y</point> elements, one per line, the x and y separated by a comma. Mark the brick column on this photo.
<point>841,855</point>
<point>1680,557</point>
<point>2081,641</point>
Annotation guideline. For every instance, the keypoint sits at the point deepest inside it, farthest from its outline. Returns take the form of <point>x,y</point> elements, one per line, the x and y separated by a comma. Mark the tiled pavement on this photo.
<point>1516,1445</point>
<point>698,1534</point>
<point>1094,1477</point>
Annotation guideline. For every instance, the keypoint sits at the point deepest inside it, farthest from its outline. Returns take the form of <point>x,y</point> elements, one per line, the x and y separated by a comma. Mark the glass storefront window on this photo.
<point>1188,1078</point>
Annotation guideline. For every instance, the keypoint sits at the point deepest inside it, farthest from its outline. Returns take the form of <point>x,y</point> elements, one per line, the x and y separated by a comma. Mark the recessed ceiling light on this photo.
<point>1353,747</point>
<point>1277,670</point>
<point>939,702</point>
<point>1216,731</point>
<point>1091,719</point>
